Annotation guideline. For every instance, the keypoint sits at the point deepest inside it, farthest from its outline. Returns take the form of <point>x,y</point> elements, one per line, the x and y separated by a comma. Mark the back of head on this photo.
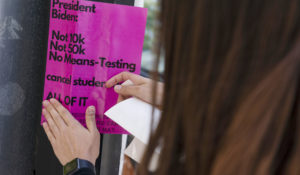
<point>231,88</point>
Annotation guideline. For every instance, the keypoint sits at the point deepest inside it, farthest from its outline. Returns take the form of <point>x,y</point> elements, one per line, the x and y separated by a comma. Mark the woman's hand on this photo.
<point>141,87</point>
<point>69,139</point>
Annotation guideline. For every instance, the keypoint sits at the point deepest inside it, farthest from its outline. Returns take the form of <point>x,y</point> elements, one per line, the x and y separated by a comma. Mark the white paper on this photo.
<point>136,151</point>
<point>135,116</point>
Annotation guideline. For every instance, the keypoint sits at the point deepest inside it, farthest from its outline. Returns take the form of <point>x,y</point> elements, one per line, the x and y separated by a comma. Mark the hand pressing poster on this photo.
<point>89,42</point>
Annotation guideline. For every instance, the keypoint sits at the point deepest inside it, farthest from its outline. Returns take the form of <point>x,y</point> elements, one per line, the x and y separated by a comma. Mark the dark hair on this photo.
<point>231,101</point>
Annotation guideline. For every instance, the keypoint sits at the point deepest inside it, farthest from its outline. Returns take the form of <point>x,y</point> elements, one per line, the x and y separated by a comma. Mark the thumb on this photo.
<point>90,118</point>
<point>126,90</point>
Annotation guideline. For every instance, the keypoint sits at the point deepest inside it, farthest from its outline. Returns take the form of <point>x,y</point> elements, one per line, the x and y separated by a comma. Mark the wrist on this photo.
<point>76,165</point>
<point>88,158</point>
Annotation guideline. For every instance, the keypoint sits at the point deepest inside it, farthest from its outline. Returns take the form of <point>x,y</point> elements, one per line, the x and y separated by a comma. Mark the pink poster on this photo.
<point>89,42</point>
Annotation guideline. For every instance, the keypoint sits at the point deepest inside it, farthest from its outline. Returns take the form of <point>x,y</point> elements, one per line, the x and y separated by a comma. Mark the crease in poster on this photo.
<point>89,42</point>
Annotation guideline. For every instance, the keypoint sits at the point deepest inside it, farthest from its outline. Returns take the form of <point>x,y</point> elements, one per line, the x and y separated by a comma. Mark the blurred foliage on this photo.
<point>152,6</point>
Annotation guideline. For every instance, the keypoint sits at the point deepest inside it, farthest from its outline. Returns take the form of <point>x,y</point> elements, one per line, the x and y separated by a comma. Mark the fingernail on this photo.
<point>52,100</point>
<point>118,88</point>
<point>45,102</point>
<point>91,110</point>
